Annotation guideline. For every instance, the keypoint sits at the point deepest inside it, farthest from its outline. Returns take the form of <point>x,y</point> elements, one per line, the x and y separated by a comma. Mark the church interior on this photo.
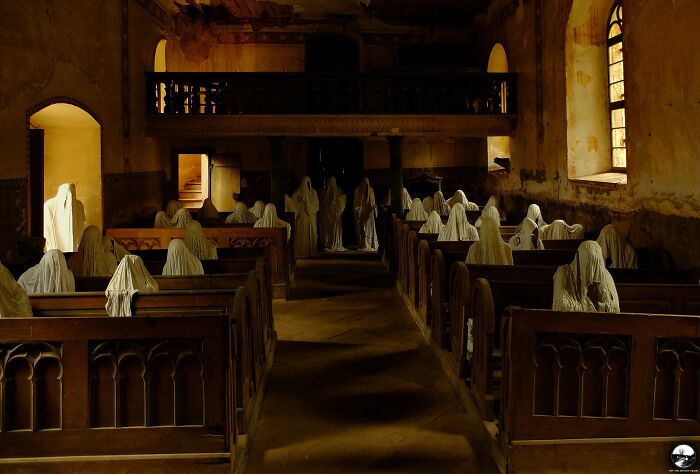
<point>325,236</point>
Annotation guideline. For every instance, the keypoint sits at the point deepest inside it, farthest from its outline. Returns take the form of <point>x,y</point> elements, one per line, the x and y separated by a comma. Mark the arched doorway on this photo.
<point>499,146</point>
<point>65,147</point>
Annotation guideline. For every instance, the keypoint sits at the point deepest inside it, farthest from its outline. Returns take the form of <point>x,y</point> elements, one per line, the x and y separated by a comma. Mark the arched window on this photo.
<point>616,85</point>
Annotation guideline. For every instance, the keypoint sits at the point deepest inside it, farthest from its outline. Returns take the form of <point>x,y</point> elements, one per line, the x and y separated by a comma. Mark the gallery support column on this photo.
<point>277,173</point>
<point>396,173</point>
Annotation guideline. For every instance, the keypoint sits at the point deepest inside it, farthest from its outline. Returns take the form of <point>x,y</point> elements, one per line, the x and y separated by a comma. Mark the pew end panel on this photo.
<point>559,407</point>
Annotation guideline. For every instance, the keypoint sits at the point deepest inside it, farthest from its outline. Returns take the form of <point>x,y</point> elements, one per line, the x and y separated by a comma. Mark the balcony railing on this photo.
<point>332,94</point>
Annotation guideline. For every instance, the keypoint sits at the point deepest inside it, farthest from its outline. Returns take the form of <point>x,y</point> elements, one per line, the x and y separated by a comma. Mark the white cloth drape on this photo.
<point>492,203</point>
<point>440,205</point>
<point>14,301</point>
<point>535,213</point>
<point>457,227</point>
<point>198,244</point>
<point>241,215</point>
<point>181,261</point>
<point>64,220</point>
<point>560,230</point>
<point>50,275</point>
<point>428,204</point>
<point>333,202</point>
<point>461,198</point>
<point>270,219</point>
<point>180,220</point>
<point>490,249</point>
<point>304,204</point>
<point>115,247</point>
<point>585,284</point>
<point>130,278</point>
<point>523,239</point>
<point>417,213</point>
<point>92,258</point>
<point>365,209</point>
<point>172,207</point>
<point>208,210</point>
<point>616,248</point>
<point>258,209</point>
<point>433,225</point>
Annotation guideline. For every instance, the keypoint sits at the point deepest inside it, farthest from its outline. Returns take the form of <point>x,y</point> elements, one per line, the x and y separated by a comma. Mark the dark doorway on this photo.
<point>342,158</point>
<point>331,53</point>
<point>36,181</point>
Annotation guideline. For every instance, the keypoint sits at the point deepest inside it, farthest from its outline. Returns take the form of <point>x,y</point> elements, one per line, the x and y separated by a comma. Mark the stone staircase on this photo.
<point>190,195</point>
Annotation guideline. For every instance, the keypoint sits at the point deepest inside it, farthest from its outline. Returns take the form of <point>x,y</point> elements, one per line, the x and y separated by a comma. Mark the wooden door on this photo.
<point>224,180</point>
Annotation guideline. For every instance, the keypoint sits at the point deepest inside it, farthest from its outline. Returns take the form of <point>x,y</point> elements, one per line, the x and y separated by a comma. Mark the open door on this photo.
<point>36,181</point>
<point>225,180</point>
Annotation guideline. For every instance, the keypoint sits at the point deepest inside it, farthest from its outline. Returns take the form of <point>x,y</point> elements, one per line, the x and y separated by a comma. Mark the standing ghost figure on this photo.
<point>365,209</point>
<point>64,220</point>
<point>333,202</point>
<point>304,203</point>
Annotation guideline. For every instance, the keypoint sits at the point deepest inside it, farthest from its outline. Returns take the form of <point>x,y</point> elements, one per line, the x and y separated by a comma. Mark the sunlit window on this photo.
<point>616,80</point>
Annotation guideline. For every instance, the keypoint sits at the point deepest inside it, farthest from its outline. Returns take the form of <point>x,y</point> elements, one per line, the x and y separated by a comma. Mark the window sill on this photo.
<point>611,179</point>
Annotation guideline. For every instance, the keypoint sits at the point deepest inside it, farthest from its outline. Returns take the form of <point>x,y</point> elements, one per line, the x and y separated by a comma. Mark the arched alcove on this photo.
<point>159,64</point>
<point>588,121</point>
<point>65,147</point>
<point>499,146</point>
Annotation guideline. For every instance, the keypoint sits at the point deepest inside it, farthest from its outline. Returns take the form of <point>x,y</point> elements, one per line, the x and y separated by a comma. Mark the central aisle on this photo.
<point>354,387</point>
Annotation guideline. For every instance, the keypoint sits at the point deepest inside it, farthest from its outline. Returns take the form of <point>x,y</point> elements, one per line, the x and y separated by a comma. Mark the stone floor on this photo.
<point>355,388</point>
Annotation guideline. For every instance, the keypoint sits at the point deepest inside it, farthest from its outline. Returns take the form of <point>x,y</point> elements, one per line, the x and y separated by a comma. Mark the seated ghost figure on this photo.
<point>417,213</point>
<point>490,249</point>
<point>181,261</point>
<point>616,249</point>
<point>64,220</point>
<point>458,227</point>
<point>50,275</point>
<point>585,284</point>
<point>14,301</point>
<point>270,219</point>
<point>130,277</point>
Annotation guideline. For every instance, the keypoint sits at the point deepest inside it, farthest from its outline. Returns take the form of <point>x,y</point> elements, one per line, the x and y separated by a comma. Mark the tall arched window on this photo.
<point>616,84</point>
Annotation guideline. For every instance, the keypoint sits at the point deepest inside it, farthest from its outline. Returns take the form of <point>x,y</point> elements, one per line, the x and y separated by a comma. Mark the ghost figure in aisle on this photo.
<point>64,220</point>
<point>333,202</point>
<point>365,208</point>
<point>304,204</point>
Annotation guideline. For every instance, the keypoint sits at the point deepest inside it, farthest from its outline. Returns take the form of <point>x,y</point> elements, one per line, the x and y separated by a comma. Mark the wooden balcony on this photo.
<point>235,104</point>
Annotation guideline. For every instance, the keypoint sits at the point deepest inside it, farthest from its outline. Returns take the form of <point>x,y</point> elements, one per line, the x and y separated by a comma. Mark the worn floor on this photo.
<point>355,388</point>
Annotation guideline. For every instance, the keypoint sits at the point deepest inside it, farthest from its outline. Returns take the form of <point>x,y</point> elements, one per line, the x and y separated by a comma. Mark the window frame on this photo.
<point>615,19</point>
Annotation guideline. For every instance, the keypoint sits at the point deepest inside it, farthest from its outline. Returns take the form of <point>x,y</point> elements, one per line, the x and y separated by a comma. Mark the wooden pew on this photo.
<point>602,392</point>
<point>490,298</point>
<point>273,240</point>
<point>231,260</point>
<point>174,380</point>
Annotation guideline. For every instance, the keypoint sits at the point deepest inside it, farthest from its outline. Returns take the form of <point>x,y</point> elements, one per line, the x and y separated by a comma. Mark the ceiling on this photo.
<point>283,12</point>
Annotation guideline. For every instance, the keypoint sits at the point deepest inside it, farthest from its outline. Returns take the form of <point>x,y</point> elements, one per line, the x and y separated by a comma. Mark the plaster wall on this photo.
<point>662,76</point>
<point>239,58</point>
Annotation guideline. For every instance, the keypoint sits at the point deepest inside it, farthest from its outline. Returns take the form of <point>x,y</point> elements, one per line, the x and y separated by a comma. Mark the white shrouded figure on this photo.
<point>270,219</point>
<point>585,284</point>
<point>172,207</point>
<point>64,220</point>
<point>527,238</point>
<point>14,301</point>
<point>458,227</point>
<point>130,277</point>
<point>180,220</point>
<point>492,203</point>
<point>417,213</point>
<point>461,198</point>
<point>304,204</point>
<point>115,247</point>
<point>490,249</point>
<point>428,204</point>
<point>365,209</point>
<point>433,225</point>
<point>560,230</point>
<point>241,215</point>
<point>405,199</point>
<point>535,213</point>
<point>92,258</point>
<point>333,202</point>
<point>616,248</point>
<point>198,244</point>
<point>258,209</point>
<point>180,261</point>
<point>208,210</point>
<point>50,275</point>
<point>440,205</point>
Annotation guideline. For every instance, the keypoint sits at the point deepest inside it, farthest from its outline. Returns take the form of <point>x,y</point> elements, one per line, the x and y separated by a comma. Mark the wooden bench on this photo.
<point>273,240</point>
<point>173,382</point>
<point>597,392</point>
<point>490,298</point>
